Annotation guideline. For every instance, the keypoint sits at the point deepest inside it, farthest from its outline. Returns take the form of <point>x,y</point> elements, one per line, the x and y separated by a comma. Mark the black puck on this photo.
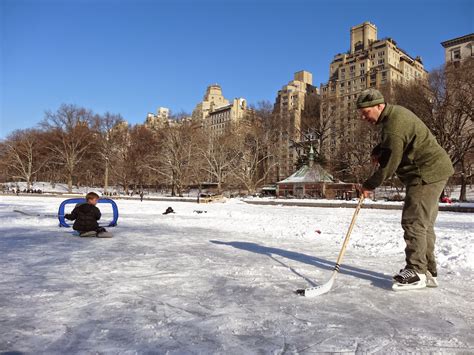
<point>300,292</point>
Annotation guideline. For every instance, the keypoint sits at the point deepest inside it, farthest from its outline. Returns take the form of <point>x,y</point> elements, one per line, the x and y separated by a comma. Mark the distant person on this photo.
<point>169,210</point>
<point>410,150</point>
<point>85,217</point>
<point>141,196</point>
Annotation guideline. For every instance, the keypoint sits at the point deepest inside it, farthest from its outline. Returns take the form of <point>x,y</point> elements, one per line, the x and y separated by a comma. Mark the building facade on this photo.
<point>289,106</point>
<point>159,119</point>
<point>212,99</point>
<point>216,113</point>
<point>459,49</point>
<point>370,62</point>
<point>221,118</point>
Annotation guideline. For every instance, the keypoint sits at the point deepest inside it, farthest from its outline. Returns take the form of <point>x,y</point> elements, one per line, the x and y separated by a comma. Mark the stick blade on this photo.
<point>317,290</point>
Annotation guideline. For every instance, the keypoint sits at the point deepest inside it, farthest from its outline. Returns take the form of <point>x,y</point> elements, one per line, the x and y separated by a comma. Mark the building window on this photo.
<point>456,54</point>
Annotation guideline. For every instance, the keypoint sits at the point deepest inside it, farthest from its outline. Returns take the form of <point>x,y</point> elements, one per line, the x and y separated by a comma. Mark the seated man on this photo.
<point>86,216</point>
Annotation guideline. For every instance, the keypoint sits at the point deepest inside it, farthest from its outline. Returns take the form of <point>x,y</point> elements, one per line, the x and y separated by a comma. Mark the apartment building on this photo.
<point>159,119</point>
<point>370,62</point>
<point>221,118</point>
<point>216,113</point>
<point>287,115</point>
<point>458,49</point>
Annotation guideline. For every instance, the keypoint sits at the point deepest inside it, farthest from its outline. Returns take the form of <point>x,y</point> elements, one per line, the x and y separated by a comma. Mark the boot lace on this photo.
<point>407,273</point>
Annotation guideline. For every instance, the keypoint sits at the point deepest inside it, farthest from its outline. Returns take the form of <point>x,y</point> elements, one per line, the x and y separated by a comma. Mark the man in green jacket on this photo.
<point>410,150</point>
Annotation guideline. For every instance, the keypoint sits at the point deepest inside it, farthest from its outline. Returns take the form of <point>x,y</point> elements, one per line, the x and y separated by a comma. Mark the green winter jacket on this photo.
<point>408,149</point>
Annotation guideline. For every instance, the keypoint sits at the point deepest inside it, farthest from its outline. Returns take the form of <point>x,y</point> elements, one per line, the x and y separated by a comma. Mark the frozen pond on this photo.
<point>222,281</point>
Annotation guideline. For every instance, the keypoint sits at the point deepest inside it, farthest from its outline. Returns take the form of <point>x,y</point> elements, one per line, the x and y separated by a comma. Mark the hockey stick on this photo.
<point>324,288</point>
<point>35,214</point>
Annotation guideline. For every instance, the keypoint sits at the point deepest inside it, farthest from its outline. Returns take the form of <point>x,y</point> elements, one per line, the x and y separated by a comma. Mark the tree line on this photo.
<point>75,145</point>
<point>79,147</point>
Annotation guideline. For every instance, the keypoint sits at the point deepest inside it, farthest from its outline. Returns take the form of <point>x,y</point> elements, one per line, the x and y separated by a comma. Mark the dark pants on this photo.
<point>418,218</point>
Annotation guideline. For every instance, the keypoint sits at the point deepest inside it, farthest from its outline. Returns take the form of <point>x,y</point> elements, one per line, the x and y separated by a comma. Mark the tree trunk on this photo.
<point>69,183</point>
<point>106,176</point>
<point>30,169</point>
<point>173,193</point>
<point>251,189</point>
<point>463,194</point>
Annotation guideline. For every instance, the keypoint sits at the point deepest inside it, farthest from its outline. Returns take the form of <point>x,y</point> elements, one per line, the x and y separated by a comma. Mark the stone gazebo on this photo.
<point>312,181</point>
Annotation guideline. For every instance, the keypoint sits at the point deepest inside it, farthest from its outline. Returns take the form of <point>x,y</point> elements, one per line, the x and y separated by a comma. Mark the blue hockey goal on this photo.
<point>75,201</point>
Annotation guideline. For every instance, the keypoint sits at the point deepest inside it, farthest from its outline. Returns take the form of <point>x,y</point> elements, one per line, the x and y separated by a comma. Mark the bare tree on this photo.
<point>108,128</point>
<point>446,105</point>
<point>353,160</point>
<point>120,157</point>
<point>131,155</point>
<point>275,134</point>
<point>332,127</point>
<point>71,136</point>
<point>174,154</point>
<point>460,101</point>
<point>219,155</point>
<point>316,126</point>
<point>252,147</point>
<point>23,155</point>
<point>253,142</point>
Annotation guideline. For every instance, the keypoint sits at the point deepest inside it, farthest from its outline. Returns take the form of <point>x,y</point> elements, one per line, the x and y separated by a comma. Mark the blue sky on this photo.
<point>131,56</point>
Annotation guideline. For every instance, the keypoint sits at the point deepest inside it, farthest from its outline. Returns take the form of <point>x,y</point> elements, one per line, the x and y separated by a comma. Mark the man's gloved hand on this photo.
<point>365,192</point>
<point>67,216</point>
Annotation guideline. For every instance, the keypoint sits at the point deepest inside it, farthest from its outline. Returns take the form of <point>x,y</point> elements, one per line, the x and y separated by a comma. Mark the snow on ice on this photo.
<point>224,282</point>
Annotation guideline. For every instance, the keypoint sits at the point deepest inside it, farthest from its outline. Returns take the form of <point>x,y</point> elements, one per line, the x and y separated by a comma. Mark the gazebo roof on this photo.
<point>309,174</point>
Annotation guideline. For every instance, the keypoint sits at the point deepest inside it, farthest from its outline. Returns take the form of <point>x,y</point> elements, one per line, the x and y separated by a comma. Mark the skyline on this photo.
<point>130,59</point>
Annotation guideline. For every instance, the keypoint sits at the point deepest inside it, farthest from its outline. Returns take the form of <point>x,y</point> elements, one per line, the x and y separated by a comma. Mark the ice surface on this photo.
<point>224,282</point>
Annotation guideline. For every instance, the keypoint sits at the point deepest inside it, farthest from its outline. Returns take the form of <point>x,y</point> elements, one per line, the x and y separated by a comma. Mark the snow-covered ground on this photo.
<point>223,282</point>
